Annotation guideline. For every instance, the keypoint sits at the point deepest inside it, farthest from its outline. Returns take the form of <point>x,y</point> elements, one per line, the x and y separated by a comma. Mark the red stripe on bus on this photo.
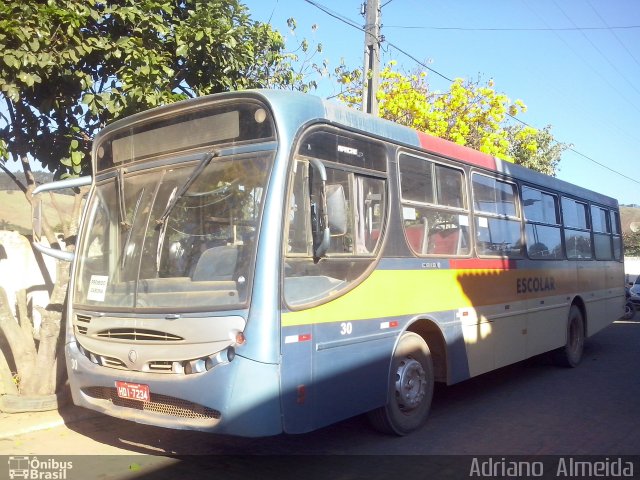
<point>482,264</point>
<point>460,152</point>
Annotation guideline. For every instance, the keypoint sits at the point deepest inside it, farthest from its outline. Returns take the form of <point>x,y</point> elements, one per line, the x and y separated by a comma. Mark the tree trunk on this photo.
<point>22,346</point>
<point>40,370</point>
<point>23,314</point>
<point>7,385</point>
<point>44,382</point>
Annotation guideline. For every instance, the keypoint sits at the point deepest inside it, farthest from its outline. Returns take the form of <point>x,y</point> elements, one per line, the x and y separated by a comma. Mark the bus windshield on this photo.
<point>182,237</point>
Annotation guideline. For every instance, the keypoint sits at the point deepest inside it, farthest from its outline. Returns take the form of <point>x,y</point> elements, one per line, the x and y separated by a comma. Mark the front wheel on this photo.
<point>410,388</point>
<point>629,311</point>
<point>571,354</point>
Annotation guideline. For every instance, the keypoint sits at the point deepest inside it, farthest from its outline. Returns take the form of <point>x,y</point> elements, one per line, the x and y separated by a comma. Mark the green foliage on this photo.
<point>471,113</point>
<point>69,67</point>
<point>535,149</point>
<point>631,242</point>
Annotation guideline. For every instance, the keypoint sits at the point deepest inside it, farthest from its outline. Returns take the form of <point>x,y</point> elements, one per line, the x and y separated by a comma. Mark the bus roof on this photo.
<point>293,109</point>
<point>313,107</point>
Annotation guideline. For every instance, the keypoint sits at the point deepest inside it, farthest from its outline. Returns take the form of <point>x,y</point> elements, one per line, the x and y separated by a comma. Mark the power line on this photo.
<point>273,11</point>
<point>513,117</point>
<point>614,34</point>
<point>597,49</point>
<point>422,64</point>
<point>351,23</point>
<point>603,165</point>
<point>335,15</point>
<point>596,71</point>
<point>540,29</point>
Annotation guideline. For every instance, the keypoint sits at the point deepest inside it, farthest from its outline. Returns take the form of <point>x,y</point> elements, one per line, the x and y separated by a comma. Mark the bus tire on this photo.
<point>410,388</point>
<point>571,354</point>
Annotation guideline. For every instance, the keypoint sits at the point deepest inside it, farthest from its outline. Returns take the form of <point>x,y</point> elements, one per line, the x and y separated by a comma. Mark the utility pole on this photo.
<point>371,57</point>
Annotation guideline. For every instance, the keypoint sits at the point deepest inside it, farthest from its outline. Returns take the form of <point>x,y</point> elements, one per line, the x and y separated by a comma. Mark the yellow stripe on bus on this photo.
<point>389,293</point>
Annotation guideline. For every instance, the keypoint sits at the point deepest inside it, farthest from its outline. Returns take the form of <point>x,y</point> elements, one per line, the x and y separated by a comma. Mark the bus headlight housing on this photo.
<point>201,365</point>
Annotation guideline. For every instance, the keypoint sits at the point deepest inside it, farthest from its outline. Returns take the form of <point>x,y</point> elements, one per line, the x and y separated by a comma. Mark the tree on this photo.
<point>69,67</point>
<point>535,149</point>
<point>471,113</point>
<point>631,242</point>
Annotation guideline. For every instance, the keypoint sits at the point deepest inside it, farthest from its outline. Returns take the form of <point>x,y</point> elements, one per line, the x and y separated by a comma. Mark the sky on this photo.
<point>574,63</point>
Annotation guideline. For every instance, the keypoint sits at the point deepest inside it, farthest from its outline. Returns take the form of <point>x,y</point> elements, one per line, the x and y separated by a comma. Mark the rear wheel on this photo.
<point>571,354</point>
<point>410,388</point>
<point>629,311</point>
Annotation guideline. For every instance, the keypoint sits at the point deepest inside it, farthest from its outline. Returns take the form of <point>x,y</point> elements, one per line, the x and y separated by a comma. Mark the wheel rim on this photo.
<point>411,384</point>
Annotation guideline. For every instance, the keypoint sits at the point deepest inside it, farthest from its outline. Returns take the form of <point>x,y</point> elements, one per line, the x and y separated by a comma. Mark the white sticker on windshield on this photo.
<point>409,213</point>
<point>97,288</point>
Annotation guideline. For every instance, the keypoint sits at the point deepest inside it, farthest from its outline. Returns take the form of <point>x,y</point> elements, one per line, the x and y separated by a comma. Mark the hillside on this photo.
<point>7,183</point>
<point>15,211</point>
<point>629,215</point>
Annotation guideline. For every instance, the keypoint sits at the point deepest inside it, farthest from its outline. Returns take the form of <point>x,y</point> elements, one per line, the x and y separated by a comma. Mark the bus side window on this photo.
<point>355,170</point>
<point>601,233</point>
<point>617,239</point>
<point>542,228</point>
<point>434,207</point>
<point>369,211</point>
<point>447,240</point>
<point>577,235</point>
<point>497,218</point>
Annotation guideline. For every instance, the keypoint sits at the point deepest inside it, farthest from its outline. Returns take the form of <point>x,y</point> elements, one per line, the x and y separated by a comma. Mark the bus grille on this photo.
<point>82,324</point>
<point>161,366</point>
<point>162,404</point>
<point>112,362</point>
<point>138,335</point>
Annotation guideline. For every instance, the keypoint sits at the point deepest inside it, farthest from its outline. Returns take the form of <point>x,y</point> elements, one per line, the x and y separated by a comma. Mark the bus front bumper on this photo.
<point>239,398</point>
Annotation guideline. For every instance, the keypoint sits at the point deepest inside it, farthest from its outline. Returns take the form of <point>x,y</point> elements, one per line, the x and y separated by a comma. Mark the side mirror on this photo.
<point>328,214</point>
<point>319,219</point>
<point>37,214</point>
<point>336,210</point>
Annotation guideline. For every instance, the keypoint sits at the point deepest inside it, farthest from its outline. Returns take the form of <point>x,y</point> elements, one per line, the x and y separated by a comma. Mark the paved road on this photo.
<point>531,408</point>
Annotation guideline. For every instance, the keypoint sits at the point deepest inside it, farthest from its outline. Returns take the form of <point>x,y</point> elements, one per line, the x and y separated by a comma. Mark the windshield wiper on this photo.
<point>173,200</point>
<point>161,222</point>
<point>130,230</point>
<point>122,209</point>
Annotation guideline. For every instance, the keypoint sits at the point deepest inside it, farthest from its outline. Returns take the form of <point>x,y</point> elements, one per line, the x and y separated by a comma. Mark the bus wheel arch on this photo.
<point>570,354</point>
<point>417,361</point>
<point>434,338</point>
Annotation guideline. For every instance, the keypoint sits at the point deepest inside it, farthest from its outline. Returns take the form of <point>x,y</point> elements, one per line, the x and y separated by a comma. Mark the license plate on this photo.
<point>133,391</point>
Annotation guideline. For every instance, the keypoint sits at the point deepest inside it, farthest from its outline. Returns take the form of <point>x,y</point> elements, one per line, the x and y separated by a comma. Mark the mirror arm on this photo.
<point>50,187</point>
<point>60,184</point>
<point>54,252</point>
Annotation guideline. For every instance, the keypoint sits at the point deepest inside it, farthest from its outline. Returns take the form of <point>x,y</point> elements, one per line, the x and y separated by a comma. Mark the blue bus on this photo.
<point>259,262</point>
